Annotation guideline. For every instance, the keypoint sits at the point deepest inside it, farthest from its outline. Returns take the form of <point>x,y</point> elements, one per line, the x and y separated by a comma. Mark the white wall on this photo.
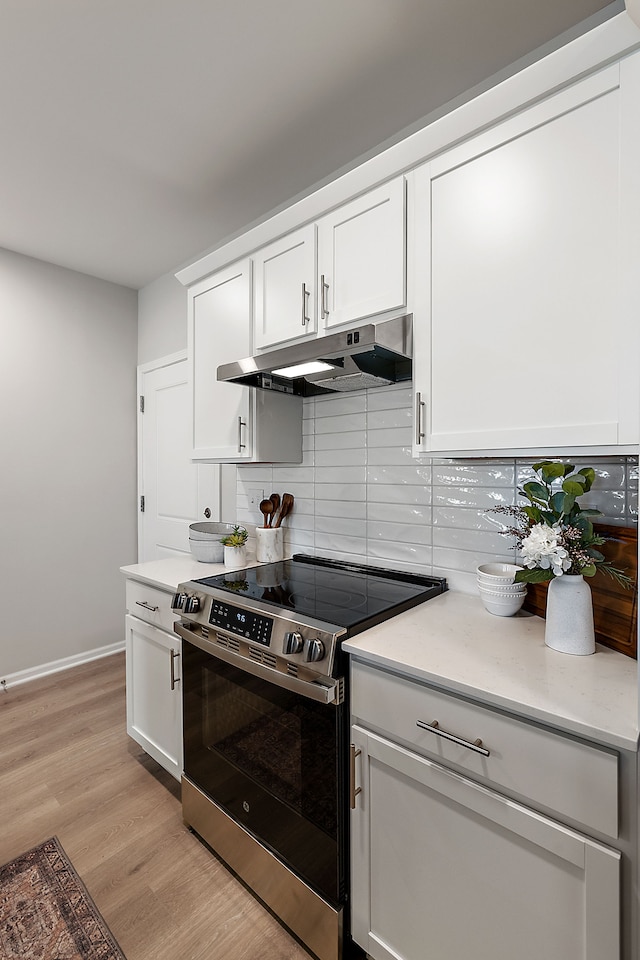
<point>162,319</point>
<point>68,346</point>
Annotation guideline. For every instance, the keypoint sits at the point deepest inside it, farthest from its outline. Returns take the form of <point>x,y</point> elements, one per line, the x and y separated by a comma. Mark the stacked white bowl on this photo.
<point>498,591</point>
<point>204,540</point>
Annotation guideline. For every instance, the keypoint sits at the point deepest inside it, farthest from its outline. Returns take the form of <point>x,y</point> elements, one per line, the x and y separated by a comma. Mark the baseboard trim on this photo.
<point>46,669</point>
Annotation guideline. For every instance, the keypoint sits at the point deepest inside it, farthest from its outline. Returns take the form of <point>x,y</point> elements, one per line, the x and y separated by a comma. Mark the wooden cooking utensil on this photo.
<point>285,508</point>
<point>266,509</point>
<point>275,500</point>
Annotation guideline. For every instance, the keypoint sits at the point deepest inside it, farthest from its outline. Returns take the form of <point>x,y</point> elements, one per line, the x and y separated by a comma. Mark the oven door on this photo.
<point>271,758</point>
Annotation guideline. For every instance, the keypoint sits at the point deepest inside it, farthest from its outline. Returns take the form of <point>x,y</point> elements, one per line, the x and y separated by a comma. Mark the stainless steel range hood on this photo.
<point>373,355</point>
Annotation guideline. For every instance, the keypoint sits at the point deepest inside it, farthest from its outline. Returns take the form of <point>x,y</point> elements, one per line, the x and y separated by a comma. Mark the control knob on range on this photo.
<point>293,642</point>
<point>178,600</point>
<point>313,649</point>
<point>192,605</point>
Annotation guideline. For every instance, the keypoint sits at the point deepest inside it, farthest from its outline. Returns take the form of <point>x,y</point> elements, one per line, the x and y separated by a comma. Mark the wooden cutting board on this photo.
<point>615,610</point>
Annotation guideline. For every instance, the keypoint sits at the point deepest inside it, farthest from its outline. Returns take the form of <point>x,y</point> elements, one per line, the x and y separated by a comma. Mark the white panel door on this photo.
<point>176,491</point>
<point>285,306</point>
<point>154,701</point>
<point>524,334</point>
<point>219,332</point>
<point>361,256</point>
<point>445,868</point>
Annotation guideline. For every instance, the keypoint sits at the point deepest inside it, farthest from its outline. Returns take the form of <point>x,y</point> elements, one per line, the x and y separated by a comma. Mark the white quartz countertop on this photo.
<point>452,642</point>
<point>167,574</point>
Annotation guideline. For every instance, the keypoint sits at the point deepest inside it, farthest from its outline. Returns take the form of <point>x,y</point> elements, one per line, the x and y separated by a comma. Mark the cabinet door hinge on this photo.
<point>141,504</point>
<point>141,404</point>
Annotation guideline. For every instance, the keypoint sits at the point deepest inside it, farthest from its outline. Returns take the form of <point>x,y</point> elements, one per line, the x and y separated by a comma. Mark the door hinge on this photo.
<point>141,404</point>
<point>141,504</point>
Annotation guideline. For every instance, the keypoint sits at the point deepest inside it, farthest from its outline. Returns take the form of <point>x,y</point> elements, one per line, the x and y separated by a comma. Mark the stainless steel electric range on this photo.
<point>266,723</point>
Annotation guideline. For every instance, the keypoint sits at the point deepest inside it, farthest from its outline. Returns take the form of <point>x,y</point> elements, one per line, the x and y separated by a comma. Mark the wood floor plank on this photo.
<point>69,769</point>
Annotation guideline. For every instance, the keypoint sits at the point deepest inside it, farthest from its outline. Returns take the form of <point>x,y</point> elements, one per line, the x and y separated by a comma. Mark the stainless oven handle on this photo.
<point>320,692</point>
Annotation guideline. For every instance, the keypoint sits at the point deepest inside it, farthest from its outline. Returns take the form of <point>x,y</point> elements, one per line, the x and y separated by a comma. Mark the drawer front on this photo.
<point>574,779</point>
<point>150,604</point>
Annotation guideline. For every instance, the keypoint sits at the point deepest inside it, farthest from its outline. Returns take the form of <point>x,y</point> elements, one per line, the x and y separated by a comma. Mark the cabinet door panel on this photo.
<point>219,333</point>
<point>361,255</point>
<point>281,311</point>
<point>456,866</point>
<point>154,710</point>
<point>528,316</point>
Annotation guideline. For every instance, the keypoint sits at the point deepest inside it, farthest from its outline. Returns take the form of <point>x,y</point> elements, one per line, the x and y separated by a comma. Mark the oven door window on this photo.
<point>272,759</point>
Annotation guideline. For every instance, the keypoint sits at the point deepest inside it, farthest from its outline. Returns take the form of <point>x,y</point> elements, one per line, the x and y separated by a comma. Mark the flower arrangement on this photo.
<point>553,534</point>
<point>236,539</point>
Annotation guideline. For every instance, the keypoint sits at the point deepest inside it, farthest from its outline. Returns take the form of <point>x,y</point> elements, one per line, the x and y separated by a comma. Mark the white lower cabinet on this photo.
<point>446,868</point>
<point>153,675</point>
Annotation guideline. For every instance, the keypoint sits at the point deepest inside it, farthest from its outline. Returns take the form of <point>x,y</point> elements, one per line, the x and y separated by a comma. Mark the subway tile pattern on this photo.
<point>361,497</point>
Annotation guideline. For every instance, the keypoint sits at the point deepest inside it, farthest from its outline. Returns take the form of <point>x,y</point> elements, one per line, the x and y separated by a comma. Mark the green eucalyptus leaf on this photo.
<point>597,556</point>
<point>591,513</point>
<point>569,504</point>
<point>558,502</point>
<point>532,512</point>
<point>573,487</point>
<point>586,526</point>
<point>533,576</point>
<point>589,475</point>
<point>536,491</point>
<point>542,463</point>
<point>550,471</point>
<point>589,571</point>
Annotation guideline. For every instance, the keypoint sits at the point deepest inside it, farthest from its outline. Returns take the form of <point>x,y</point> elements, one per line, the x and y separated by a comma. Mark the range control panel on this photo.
<point>294,639</point>
<point>252,626</point>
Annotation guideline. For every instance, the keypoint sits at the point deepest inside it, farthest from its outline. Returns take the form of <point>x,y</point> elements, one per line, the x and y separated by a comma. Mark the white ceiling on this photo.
<point>136,134</point>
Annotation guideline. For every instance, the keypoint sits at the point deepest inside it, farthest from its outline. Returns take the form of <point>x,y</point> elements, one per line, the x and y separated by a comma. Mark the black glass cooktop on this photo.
<point>350,596</point>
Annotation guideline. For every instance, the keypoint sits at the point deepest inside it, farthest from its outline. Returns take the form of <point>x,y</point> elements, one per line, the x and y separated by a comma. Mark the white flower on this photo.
<point>542,548</point>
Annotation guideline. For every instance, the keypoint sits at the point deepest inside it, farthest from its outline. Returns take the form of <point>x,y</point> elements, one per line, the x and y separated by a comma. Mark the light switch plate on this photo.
<point>254,496</point>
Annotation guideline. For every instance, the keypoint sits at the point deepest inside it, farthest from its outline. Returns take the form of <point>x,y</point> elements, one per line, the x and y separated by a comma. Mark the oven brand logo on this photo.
<point>245,806</point>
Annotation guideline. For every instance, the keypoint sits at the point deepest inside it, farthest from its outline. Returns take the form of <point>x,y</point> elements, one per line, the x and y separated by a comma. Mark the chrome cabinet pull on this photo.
<point>419,410</point>
<point>324,287</point>
<point>305,293</point>
<point>434,727</point>
<point>174,679</point>
<point>241,424</point>
<point>147,606</point>
<point>353,790</point>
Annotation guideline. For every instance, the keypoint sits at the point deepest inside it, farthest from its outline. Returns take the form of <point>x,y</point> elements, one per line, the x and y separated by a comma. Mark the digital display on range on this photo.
<point>244,623</point>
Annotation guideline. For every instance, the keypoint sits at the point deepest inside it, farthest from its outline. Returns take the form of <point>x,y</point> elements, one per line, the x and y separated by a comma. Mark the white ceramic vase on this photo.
<point>569,624</point>
<point>269,544</point>
<point>235,556</point>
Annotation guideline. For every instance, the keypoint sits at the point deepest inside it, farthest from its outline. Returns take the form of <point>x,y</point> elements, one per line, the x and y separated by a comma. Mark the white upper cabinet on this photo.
<point>360,272</point>
<point>285,295</point>
<point>232,423</point>
<point>362,256</point>
<point>527,250</point>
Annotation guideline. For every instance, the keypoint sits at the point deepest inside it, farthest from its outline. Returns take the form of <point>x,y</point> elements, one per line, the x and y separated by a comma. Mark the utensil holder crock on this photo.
<point>269,544</point>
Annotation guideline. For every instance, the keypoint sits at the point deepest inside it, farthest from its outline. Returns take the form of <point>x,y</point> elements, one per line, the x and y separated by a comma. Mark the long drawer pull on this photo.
<point>419,411</point>
<point>173,679</point>
<point>434,727</point>
<point>147,606</point>
<point>353,790</point>
<point>305,295</point>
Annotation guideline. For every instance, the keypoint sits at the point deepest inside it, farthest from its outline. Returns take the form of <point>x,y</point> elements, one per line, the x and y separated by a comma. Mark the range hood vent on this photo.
<point>373,355</point>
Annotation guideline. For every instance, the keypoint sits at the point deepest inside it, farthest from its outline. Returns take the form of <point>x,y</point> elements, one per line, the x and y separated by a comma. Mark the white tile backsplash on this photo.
<point>360,496</point>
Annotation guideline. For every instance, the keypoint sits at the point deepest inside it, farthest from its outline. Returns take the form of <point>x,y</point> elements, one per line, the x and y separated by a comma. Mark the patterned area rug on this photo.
<point>46,912</point>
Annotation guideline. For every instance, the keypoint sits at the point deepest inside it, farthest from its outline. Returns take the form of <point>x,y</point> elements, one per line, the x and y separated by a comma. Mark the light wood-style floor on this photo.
<point>68,768</point>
